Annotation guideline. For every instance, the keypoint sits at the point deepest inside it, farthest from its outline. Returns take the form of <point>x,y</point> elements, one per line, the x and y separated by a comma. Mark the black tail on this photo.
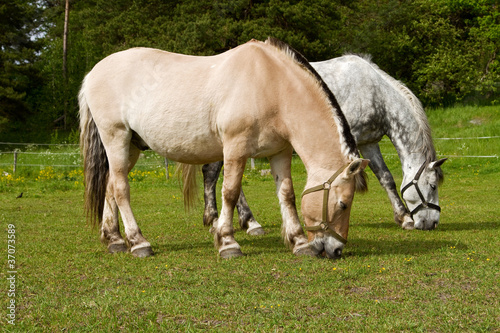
<point>95,164</point>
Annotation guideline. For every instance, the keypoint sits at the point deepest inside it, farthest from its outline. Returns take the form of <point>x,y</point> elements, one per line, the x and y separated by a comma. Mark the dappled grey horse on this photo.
<point>375,104</point>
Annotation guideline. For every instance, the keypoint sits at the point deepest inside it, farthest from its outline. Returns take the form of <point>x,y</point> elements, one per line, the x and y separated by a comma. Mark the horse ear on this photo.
<point>436,164</point>
<point>355,167</point>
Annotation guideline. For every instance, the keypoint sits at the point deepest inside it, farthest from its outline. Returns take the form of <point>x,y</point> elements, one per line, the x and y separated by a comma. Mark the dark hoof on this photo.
<point>231,253</point>
<point>143,252</point>
<point>256,232</point>
<point>115,248</point>
<point>305,251</point>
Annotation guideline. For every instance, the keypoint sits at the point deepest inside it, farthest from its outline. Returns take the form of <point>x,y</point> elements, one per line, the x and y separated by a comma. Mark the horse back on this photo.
<point>186,107</point>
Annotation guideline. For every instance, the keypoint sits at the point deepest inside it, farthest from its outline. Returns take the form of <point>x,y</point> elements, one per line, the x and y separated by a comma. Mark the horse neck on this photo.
<point>315,137</point>
<point>410,134</point>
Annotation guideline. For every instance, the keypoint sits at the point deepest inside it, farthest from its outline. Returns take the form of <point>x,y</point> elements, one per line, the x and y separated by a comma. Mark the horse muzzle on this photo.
<point>426,219</point>
<point>327,246</point>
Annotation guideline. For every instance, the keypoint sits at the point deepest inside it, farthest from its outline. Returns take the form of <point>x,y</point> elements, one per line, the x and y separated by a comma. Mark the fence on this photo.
<point>68,155</point>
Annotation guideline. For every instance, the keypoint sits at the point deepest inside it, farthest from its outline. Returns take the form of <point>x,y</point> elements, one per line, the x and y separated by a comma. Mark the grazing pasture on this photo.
<point>389,279</point>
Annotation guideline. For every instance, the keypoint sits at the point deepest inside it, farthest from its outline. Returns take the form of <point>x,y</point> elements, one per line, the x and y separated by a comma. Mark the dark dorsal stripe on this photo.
<point>301,60</point>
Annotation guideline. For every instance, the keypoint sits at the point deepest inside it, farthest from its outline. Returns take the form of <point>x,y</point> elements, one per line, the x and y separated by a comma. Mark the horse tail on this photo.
<point>95,163</point>
<point>189,185</point>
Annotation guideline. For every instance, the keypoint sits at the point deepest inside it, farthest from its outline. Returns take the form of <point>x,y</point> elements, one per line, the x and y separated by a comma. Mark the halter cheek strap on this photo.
<point>425,203</point>
<point>324,225</point>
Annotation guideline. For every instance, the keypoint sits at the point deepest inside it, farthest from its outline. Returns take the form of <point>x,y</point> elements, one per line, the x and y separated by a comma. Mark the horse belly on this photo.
<point>181,136</point>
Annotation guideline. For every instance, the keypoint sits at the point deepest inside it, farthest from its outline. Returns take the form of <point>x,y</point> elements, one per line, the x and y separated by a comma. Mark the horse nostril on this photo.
<point>337,253</point>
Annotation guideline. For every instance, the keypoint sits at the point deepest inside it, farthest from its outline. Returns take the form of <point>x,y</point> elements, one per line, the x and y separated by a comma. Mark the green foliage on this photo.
<point>444,50</point>
<point>18,53</point>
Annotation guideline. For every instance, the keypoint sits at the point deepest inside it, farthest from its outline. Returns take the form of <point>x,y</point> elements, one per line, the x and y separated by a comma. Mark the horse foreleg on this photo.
<point>210,215</point>
<point>231,187</point>
<point>291,230</point>
<point>381,171</point>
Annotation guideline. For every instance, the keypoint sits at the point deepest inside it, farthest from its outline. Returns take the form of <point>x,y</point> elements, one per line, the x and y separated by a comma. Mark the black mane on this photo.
<point>301,60</point>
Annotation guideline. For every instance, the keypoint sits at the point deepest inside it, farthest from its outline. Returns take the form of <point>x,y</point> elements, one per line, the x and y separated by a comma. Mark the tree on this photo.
<point>18,53</point>
<point>444,50</point>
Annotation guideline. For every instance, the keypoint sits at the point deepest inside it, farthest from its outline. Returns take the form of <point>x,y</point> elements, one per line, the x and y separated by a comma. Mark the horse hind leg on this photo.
<point>246,218</point>
<point>110,228</point>
<point>210,175</point>
<point>121,157</point>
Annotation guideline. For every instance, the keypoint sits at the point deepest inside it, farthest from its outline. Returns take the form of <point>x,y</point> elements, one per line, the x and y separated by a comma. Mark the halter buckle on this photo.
<point>324,226</point>
<point>327,186</point>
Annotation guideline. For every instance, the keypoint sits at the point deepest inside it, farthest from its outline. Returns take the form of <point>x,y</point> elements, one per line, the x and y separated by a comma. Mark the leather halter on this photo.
<point>324,225</point>
<point>425,203</point>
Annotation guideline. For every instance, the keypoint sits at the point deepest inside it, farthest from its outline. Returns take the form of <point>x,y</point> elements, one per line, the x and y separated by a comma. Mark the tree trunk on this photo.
<point>65,66</point>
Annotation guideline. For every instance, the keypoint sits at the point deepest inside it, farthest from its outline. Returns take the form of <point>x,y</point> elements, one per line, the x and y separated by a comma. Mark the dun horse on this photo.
<point>375,104</point>
<point>256,100</point>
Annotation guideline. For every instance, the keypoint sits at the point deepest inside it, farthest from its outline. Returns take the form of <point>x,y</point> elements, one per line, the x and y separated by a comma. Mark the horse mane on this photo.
<point>339,117</point>
<point>423,140</point>
<point>298,58</point>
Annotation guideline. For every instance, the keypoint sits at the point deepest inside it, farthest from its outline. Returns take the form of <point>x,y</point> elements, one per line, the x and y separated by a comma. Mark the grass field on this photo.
<point>445,280</point>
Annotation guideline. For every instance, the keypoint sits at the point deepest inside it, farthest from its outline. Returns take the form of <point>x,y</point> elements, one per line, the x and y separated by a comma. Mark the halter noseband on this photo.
<point>323,225</point>
<point>425,203</point>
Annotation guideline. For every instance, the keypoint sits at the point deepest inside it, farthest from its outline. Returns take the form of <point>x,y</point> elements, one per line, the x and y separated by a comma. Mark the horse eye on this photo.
<point>433,187</point>
<point>342,205</point>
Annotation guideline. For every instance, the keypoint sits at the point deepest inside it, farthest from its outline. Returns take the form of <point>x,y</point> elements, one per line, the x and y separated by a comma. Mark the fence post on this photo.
<point>252,164</point>
<point>166,169</point>
<point>15,161</point>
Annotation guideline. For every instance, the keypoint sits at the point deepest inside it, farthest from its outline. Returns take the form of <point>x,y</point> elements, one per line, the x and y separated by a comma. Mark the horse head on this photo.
<point>421,195</point>
<point>326,209</point>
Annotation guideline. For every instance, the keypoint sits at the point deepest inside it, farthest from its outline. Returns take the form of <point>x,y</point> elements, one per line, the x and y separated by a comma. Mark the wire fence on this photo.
<point>68,155</point>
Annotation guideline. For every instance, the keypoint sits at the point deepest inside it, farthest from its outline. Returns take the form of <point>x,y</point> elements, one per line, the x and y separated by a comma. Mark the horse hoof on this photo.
<point>115,248</point>
<point>305,251</point>
<point>259,231</point>
<point>408,225</point>
<point>143,252</point>
<point>231,253</point>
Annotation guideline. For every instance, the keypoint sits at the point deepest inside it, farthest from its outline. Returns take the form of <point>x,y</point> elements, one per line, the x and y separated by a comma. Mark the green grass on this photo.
<point>445,280</point>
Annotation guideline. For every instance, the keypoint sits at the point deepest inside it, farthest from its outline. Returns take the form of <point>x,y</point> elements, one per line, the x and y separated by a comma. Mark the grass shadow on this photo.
<point>462,226</point>
<point>369,247</point>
